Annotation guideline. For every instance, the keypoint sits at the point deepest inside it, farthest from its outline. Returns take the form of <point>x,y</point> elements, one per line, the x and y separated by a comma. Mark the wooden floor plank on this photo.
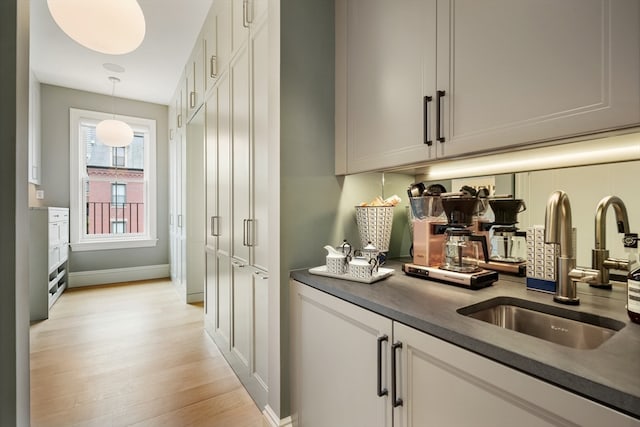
<point>132,354</point>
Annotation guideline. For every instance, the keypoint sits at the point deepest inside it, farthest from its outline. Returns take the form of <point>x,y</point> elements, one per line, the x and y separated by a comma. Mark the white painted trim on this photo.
<point>117,275</point>
<point>99,245</point>
<point>76,196</point>
<point>274,420</point>
<point>195,297</point>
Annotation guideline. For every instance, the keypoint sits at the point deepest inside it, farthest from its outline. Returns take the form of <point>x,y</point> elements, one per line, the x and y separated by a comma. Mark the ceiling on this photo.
<point>151,72</point>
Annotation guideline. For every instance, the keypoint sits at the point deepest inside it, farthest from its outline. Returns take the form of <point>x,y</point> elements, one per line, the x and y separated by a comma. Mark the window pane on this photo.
<point>118,194</point>
<point>117,227</point>
<point>114,187</point>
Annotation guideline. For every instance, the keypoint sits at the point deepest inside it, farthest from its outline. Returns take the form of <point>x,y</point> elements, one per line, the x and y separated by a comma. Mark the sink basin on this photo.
<point>561,326</point>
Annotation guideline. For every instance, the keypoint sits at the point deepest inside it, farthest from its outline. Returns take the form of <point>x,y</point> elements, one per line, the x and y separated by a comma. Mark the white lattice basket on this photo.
<point>374,225</point>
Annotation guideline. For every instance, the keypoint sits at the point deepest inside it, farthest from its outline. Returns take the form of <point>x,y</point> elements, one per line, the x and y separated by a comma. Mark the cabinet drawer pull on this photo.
<point>439,96</point>
<point>381,391</point>
<point>427,100</point>
<point>394,365</point>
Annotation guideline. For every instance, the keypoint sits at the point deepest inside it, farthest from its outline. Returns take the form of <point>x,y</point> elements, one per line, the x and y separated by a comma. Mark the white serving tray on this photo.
<point>382,273</point>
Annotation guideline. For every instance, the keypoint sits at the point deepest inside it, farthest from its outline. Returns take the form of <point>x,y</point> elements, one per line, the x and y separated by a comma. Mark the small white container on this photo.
<point>361,268</point>
<point>336,261</point>
<point>337,264</point>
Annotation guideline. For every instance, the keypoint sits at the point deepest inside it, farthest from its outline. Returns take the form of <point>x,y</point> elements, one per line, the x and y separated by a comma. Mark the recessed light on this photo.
<point>113,67</point>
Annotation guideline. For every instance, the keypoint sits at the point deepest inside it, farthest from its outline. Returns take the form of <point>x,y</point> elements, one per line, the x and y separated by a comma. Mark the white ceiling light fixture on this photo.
<point>112,132</point>
<point>114,27</point>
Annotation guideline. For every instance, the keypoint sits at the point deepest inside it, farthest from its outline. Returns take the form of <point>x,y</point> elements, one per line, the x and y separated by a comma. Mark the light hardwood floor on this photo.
<point>131,354</point>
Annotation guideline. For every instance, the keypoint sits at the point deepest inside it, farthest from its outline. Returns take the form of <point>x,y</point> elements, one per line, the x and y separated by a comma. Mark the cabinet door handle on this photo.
<point>439,95</point>
<point>425,121</point>
<point>192,100</point>
<point>215,228</point>
<point>244,232</point>
<point>245,19</point>
<point>179,120</point>
<point>250,233</point>
<point>213,66</point>
<point>180,221</point>
<point>396,401</point>
<point>381,391</point>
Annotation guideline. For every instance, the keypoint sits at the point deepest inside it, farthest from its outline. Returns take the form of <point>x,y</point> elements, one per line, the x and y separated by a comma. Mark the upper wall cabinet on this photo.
<point>245,13</point>
<point>485,81</point>
<point>195,70</point>
<point>382,72</point>
<point>216,34</point>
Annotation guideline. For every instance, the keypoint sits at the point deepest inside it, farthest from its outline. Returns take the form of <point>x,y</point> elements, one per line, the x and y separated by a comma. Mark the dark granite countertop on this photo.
<point>609,374</point>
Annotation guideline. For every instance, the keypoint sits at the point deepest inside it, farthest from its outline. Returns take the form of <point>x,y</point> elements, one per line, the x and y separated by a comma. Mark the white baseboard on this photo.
<point>273,419</point>
<point>117,275</point>
<point>195,297</point>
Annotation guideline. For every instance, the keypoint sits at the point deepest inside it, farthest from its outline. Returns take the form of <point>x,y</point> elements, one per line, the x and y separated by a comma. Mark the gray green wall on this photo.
<point>55,104</point>
<point>14,287</point>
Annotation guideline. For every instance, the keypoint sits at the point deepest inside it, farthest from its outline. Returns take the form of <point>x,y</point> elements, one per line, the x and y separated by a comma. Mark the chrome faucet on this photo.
<point>600,259</point>
<point>558,230</point>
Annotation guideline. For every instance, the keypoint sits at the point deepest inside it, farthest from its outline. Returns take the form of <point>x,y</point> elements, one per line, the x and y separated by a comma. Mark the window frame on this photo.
<point>79,240</point>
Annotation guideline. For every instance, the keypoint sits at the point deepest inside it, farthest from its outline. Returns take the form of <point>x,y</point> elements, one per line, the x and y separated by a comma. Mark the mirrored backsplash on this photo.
<point>585,185</point>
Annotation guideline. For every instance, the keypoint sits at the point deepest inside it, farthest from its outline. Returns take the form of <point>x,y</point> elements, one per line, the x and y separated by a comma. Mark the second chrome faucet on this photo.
<point>558,230</point>
<point>600,259</point>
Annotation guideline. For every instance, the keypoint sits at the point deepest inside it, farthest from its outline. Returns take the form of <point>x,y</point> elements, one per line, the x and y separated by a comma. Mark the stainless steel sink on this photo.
<point>566,327</point>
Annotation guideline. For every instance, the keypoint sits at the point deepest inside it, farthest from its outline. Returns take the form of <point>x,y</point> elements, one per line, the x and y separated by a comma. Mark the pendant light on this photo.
<point>113,27</point>
<point>112,132</point>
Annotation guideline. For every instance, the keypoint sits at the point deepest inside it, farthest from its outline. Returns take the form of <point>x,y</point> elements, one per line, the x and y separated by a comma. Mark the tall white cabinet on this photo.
<point>233,237</point>
<point>421,80</point>
<point>48,258</point>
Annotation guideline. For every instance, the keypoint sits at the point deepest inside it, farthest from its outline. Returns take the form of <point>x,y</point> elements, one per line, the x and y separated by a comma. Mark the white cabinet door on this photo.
<point>224,166</point>
<point>260,367</point>
<point>241,157</point>
<point>256,9</point>
<point>182,213</point>
<point>239,23</point>
<point>444,385</point>
<point>260,144</point>
<point>242,302</point>
<point>210,291</point>
<point>336,363</point>
<point>223,13</point>
<point>212,220</point>
<point>390,68</point>
<point>195,78</point>
<point>223,304</point>
<point>195,212</point>
<point>538,70</point>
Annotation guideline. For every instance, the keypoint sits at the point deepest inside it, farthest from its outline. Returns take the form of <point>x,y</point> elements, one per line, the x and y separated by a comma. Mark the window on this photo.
<point>118,227</point>
<point>112,189</point>
<point>118,194</point>
<point>118,156</point>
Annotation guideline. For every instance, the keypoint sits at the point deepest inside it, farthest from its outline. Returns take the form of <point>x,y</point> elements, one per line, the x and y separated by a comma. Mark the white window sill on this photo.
<point>99,245</point>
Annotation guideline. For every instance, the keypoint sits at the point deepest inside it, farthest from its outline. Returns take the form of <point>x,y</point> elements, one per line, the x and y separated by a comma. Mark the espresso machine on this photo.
<point>507,243</point>
<point>447,250</point>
